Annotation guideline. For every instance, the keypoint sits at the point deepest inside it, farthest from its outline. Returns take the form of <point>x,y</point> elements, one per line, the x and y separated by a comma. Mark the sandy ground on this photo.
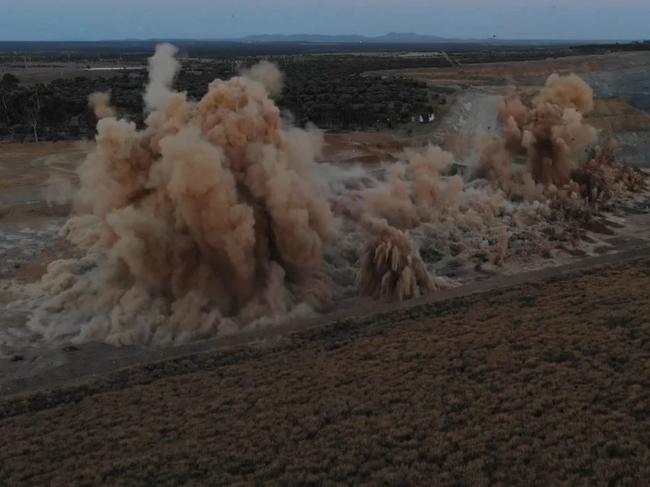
<point>363,148</point>
<point>33,206</point>
<point>614,70</point>
<point>537,384</point>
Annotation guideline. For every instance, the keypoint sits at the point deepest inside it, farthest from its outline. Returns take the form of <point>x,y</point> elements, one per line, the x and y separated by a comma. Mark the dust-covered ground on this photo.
<point>538,384</point>
<point>36,185</point>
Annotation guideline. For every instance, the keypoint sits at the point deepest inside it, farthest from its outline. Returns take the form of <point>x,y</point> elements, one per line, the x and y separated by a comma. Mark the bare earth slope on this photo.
<point>545,383</point>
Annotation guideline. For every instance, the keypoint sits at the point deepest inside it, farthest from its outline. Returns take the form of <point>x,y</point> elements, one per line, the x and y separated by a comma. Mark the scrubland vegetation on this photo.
<point>542,384</point>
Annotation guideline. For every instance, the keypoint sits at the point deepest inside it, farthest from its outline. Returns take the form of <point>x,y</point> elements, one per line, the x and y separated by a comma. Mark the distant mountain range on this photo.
<point>311,42</point>
<point>391,38</point>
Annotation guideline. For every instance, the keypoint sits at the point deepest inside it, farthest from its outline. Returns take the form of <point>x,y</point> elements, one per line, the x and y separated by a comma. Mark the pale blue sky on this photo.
<point>523,19</point>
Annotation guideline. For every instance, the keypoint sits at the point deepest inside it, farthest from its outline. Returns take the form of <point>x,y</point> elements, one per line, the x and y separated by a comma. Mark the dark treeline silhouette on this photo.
<point>334,91</point>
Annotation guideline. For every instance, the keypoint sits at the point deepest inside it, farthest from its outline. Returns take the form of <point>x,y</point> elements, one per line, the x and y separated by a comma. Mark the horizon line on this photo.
<point>244,38</point>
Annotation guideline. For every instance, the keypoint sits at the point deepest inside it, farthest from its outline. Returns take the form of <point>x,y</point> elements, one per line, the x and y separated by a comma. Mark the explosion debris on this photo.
<point>206,219</point>
<point>215,216</point>
<point>101,105</point>
<point>550,134</point>
<point>391,266</point>
<point>601,178</point>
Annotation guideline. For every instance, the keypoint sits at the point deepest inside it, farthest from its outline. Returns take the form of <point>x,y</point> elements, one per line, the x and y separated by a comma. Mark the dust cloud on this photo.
<point>206,220</point>
<point>555,145</point>
<point>216,217</point>
<point>101,104</point>
<point>58,190</point>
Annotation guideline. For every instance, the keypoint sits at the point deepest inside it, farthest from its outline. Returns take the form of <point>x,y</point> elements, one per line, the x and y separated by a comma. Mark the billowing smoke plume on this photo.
<point>415,192</point>
<point>215,217</point>
<point>391,266</point>
<point>58,190</point>
<point>101,105</point>
<point>163,67</point>
<point>549,134</point>
<point>204,221</point>
<point>519,212</point>
<point>601,178</point>
<point>267,74</point>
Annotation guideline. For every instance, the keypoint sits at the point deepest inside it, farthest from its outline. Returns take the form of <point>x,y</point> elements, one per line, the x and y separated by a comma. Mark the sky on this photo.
<point>212,19</point>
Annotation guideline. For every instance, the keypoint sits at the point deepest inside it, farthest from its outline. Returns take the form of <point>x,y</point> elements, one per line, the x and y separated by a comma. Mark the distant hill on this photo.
<point>316,38</point>
<point>392,38</point>
<point>398,38</point>
<point>276,44</point>
<point>409,37</point>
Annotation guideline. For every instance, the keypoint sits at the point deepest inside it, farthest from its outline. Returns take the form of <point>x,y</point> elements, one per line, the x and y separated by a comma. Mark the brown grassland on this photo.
<point>544,383</point>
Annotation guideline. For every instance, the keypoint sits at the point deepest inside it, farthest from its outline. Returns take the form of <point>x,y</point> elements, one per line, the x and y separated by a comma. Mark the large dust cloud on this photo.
<point>216,216</point>
<point>205,220</point>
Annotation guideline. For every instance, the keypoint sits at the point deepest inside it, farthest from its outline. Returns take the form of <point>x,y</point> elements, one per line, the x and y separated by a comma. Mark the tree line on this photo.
<point>330,91</point>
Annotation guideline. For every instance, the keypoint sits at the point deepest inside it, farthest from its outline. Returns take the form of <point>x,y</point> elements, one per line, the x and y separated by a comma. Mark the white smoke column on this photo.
<point>163,68</point>
<point>58,190</point>
<point>101,104</point>
<point>267,74</point>
<point>205,222</point>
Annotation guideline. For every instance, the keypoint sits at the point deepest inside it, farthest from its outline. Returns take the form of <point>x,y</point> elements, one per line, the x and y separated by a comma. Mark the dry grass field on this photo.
<point>544,383</point>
